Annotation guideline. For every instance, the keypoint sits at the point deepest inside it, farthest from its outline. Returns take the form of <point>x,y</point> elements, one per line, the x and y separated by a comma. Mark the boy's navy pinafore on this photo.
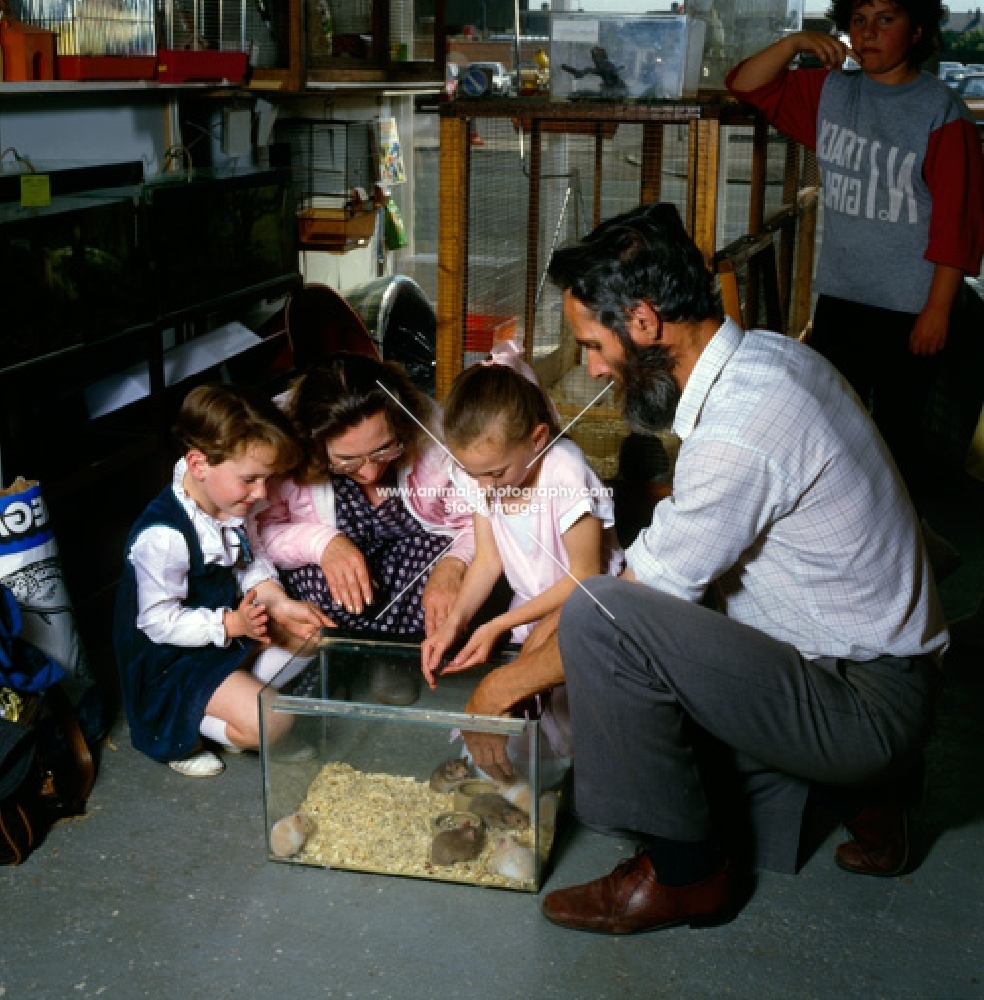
<point>166,688</point>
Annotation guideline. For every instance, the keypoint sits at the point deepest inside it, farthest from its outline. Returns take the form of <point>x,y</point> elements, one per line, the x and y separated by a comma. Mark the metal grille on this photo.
<point>533,181</point>
<point>329,158</point>
<point>94,27</point>
<point>201,25</point>
<point>588,173</point>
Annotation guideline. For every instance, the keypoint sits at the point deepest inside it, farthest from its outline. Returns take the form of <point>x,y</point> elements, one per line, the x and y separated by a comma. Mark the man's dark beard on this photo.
<point>649,393</point>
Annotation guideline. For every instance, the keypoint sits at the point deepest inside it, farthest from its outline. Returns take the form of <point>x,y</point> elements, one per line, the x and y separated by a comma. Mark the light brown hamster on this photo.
<point>452,846</point>
<point>449,775</point>
<point>289,834</point>
<point>512,860</point>
<point>499,813</point>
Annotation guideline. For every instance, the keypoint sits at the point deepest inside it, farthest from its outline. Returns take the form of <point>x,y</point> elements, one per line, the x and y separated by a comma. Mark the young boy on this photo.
<point>903,199</point>
<point>198,597</point>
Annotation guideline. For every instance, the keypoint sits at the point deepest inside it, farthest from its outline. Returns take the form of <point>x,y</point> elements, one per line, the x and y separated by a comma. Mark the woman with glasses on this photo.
<point>368,528</point>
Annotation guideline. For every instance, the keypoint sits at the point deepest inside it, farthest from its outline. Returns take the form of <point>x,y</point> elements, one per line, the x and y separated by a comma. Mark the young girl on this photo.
<point>542,516</point>
<point>198,599</point>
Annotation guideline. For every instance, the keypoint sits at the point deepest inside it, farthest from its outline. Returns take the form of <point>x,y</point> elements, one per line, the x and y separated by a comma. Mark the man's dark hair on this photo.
<point>641,256</point>
<point>925,14</point>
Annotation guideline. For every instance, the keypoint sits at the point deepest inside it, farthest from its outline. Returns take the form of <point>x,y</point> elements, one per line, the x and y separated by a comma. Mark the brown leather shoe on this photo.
<point>632,899</point>
<point>879,843</point>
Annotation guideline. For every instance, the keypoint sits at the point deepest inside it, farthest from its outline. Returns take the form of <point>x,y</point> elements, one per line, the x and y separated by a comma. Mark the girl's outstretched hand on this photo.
<point>299,618</point>
<point>433,648</point>
<point>478,648</point>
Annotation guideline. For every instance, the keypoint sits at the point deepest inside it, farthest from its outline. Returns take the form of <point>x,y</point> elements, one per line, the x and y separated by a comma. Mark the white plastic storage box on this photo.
<point>624,56</point>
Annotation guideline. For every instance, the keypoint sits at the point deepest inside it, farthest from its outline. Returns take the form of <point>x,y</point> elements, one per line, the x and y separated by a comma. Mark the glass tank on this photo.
<point>352,780</point>
<point>220,235</point>
<point>71,275</point>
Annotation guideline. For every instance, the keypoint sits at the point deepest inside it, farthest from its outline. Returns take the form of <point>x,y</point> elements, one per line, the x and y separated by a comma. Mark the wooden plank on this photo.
<point>703,181</point>
<point>799,310</point>
<point>599,151</point>
<point>652,163</point>
<point>787,238</point>
<point>728,281</point>
<point>452,251</point>
<point>532,240</point>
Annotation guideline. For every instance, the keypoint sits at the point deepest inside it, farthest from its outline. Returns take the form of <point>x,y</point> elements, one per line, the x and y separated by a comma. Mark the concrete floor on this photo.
<point>163,890</point>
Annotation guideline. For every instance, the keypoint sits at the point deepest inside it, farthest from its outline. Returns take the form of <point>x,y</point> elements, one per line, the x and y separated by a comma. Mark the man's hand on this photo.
<point>488,750</point>
<point>929,332</point>
<point>441,591</point>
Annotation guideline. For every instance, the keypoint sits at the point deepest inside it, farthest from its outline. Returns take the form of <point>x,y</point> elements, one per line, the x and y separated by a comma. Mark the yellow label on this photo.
<point>35,190</point>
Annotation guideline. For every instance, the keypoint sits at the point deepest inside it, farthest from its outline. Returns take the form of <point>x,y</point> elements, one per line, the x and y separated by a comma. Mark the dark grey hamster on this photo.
<point>452,846</point>
<point>499,813</point>
<point>449,775</point>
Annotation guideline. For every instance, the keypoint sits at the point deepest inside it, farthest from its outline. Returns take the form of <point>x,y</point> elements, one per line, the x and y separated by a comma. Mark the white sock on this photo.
<point>268,667</point>
<point>214,728</point>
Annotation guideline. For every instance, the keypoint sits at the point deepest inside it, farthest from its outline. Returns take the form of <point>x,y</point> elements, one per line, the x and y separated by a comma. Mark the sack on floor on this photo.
<point>46,768</point>
<point>30,567</point>
<point>22,825</point>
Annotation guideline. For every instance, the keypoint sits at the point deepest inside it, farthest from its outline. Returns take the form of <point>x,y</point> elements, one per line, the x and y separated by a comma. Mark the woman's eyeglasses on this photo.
<point>347,466</point>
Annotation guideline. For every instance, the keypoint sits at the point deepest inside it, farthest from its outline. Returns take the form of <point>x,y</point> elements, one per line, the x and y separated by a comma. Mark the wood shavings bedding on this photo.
<point>382,823</point>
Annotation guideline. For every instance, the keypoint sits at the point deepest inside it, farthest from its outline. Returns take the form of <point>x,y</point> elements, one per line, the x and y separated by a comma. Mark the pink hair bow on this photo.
<point>510,354</point>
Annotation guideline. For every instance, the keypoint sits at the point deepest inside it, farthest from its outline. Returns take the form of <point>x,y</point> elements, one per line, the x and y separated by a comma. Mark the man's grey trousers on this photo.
<point>642,667</point>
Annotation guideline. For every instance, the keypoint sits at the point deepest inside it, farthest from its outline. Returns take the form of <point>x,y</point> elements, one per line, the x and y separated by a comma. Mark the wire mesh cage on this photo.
<point>201,40</point>
<point>334,167</point>
<point>589,172</point>
<point>519,180</point>
<point>97,39</point>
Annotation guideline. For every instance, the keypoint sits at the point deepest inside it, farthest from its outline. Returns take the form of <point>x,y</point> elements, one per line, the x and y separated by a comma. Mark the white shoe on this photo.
<point>203,764</point>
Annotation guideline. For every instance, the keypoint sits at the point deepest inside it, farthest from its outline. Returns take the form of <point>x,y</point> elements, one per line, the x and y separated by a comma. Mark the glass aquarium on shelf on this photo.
<point>616,57</point>
<point>736,29</point>
<point>353,781</point>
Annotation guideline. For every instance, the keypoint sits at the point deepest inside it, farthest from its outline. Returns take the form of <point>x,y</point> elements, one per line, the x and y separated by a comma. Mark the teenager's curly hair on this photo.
<point>928,15</point>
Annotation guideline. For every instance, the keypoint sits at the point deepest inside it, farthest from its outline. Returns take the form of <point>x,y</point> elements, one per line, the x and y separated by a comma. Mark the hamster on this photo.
<point>498,813</point>
<point>289,834</point>
<point>449,775</point>
<point>519,794</point>
<point>452,846</point>
<point>512,860</point>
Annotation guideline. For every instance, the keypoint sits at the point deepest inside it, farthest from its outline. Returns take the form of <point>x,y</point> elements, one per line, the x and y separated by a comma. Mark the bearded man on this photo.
<point>815,674</point>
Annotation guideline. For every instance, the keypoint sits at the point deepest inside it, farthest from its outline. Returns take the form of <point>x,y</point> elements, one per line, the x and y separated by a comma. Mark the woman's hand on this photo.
<point>347,575</point>
<point>433,648</point>
<point>440,592</point>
